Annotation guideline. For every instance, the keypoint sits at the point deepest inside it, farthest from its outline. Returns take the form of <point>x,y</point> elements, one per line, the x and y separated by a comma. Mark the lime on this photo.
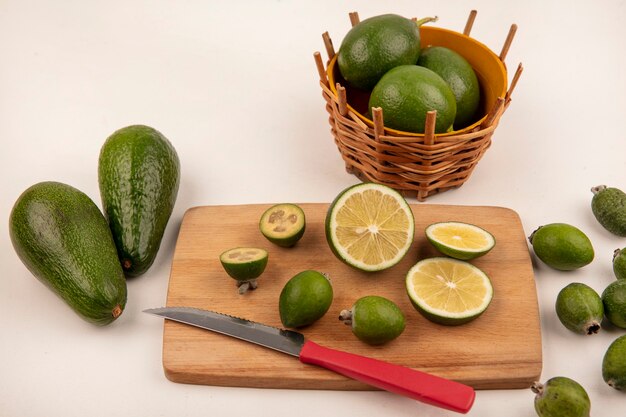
<point>614,300</point>
<point>614,364</point>
<point>370,226</point>
<point>244,265</point>
<point>375,45</point>
<point>283,224</point>
<point>460,240</point>
<point>305,298</point>
<point>461,78</point>
<point>619,263</point>
<point>374,320</point>
<point>561,397</point>
<point>448,291</point>
<point>407,92</point>
<point>562,246</point>
<point>579,308</point>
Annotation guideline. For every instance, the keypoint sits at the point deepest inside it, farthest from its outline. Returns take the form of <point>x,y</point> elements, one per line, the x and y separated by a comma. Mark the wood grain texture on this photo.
<point>500,349</point>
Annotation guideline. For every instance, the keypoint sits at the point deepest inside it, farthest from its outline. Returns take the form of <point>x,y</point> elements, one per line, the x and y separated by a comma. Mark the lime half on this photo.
<point>283,224</point>
<point>448,291</point>
<point>370,226</point>
<point>460,240</point>
<point>244,265</point>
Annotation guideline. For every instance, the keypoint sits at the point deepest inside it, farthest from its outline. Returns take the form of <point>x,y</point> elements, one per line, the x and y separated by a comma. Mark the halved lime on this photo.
<point>448,291</point>
<point>283,224</point>
<point>460,240</point>
<point>370,226</point>
<point>244,265</point>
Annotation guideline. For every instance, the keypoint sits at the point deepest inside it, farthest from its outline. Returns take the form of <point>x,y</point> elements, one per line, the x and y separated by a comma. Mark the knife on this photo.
<point>402,380</point>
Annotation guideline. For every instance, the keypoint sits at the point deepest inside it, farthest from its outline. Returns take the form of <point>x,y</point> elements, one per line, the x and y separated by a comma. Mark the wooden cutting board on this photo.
<point>500,349</point>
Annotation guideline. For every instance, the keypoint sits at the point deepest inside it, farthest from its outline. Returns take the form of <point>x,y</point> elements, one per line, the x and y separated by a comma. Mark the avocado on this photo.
<point>64,240</point>
<point>139,175</point>
<point>609,207</point>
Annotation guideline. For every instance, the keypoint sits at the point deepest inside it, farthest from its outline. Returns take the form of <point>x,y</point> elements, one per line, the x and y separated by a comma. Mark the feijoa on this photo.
<point>614,300</point>
<point>283,224</point>
<point>375,320</point>
<point>609,207</point>
<point>244,265</point>
<point>579,308</point>
<point>614,364</point>
<point>562,246</point>
<point>561,397</point>
<point>305,298</point>
<point>619,263</point>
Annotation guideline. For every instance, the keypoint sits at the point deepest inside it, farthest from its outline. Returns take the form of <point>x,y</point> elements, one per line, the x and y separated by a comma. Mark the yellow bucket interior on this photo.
<point>489,69</point>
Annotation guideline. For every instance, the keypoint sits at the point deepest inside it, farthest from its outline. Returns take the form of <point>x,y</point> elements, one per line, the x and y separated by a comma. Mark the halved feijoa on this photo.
<point>244,265</point>
<point>283,224</point>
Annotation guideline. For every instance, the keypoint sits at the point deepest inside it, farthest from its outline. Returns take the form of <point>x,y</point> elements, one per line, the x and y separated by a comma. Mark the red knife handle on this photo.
<point>398,379</point>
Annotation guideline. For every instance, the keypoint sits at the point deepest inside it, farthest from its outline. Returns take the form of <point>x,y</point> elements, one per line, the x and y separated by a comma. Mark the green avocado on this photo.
<point>461,78</point>
<point>64,240</point>
<point>139,175</point>
<point>609,207</point>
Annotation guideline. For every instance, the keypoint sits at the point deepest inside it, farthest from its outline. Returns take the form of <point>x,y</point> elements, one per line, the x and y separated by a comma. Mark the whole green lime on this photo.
<point>407,92</point>
<point>461,78</point>
<point>614,300</point>
<point>374,320</point>
<point>561,397</point>
<point>304,299</point>
<point>614,364</point>
<point>562,246</point>
<point>376,45</point>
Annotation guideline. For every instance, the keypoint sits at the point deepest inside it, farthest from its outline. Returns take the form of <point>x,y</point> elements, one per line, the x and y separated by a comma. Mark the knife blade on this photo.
<point>412,383</point>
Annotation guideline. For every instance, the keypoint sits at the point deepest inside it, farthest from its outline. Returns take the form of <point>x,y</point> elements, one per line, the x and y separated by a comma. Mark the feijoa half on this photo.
<point>614,300</point>
<point>244,265</point>
<point>580,308</point>
<point>304,299</point>
<point>374,320</point>
<point>561,397</point>
<point>614,364</point>
<point>283,224</point>
<point>562,246</point>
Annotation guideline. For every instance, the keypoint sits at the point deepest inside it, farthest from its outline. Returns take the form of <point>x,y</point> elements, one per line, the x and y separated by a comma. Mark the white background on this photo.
<point>233,85</point>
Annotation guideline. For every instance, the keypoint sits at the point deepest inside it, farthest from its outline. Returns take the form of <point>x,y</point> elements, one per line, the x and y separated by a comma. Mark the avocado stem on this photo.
<point>616,253</point>
<point>426,20</point>
<point>117,311</point>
